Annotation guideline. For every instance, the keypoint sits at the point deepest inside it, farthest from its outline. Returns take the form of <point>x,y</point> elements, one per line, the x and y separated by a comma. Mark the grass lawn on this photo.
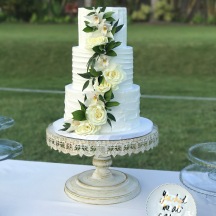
<point>168,60</point>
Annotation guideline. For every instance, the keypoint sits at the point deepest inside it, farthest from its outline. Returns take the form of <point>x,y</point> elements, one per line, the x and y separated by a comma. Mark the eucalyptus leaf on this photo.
<point>111,116</point>
<point>79,115</point>
<point>85,85</point>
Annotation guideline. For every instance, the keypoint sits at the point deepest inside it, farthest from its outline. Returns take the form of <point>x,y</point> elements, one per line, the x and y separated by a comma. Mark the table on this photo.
<point>37,189</point>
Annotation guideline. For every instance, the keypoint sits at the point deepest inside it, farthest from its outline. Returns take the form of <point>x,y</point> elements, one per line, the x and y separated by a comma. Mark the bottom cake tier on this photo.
<point>127,114</point>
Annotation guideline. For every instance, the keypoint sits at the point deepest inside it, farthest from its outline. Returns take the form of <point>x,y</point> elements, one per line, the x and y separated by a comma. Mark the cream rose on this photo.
<point>96,41</point>
<point>114,75</point>
<point>96,114</point>
<point>86,128</point>
<point>103,87</point>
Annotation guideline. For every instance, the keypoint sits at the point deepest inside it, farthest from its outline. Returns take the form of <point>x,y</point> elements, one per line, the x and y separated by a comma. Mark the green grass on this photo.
<point>168,60</point>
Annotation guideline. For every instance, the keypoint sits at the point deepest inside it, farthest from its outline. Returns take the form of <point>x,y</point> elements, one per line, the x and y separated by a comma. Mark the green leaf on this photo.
<point>85,75</point>
<point>98,50</point>
<point>95,73</point>
<point>112,96</point>
<point>115,25</point>
<point>112,45</point>
<point>85,98</point>
<point>66,126</point>
<point>109,122</point>
<point>85,85</point>
<point>108,14</point>
<point>83,107</point>
<point>101,98</point>
<point>118,28</point>
<point>112,104</point>
<point>102,9</point>
<point>91,13</point>
<point>108,95</point>
<point>87,22</point>
<point>113,31</point>
<point>110,19</point>
<point>110,116</point>
<point>100,79</point>
<point>111,53</point>
<point>88,29</point>
<point>79,115</point>
<point>89,8</point>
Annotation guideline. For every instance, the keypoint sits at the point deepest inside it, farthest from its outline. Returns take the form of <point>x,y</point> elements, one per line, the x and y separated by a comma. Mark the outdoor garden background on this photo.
<point>174,44</point>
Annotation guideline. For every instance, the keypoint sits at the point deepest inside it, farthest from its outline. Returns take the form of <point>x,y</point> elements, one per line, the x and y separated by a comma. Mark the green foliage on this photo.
<point>143,14</point>
<point>211,20</point>
<point>164,10</point>
<point>198,18</point>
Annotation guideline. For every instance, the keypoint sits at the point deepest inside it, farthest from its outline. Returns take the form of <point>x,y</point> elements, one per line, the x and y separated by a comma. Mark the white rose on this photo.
<point>103,87</point>
<point>96,114</point>
<point>86,128</point>
<point>114,75</point>
<point>96,41</point>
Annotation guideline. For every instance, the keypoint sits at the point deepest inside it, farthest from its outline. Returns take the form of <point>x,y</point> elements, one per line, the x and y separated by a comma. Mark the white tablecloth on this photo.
<point>37,189</point>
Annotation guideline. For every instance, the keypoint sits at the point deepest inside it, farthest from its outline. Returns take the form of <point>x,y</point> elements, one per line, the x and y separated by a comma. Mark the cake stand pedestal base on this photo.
<point>102,185</point>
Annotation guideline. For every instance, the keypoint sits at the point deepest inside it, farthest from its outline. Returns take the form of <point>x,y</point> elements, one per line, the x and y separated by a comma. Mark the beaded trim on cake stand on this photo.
<point>102,185</point>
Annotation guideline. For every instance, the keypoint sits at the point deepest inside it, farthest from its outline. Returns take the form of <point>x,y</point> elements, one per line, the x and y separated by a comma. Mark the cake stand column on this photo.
<point>102,165</point>
<point>102,185</point>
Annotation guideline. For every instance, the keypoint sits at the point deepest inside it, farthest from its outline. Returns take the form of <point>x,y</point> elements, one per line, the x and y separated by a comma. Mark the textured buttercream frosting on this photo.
<point>127,113</point>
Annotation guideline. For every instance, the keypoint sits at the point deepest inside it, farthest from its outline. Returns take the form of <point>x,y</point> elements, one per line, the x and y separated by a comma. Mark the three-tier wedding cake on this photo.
<point>102,102</point>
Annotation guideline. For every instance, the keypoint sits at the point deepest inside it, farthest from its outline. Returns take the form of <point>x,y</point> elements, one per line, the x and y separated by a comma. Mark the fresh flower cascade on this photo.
<point>102,74</point>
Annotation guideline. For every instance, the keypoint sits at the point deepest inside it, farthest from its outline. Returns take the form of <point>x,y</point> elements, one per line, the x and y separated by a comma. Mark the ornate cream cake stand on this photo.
<point>102,185</point>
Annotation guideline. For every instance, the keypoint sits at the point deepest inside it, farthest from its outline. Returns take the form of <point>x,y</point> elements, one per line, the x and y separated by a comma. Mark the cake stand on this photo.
<point>201,176</point>
<point>8,148</point>
<point>101,185</point>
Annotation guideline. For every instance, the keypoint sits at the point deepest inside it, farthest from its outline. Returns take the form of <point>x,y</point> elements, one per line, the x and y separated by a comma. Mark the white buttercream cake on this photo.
<point>123,120</point>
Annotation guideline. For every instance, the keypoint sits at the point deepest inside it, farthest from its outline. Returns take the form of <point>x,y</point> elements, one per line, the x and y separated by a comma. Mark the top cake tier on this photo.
<point>120,14</point>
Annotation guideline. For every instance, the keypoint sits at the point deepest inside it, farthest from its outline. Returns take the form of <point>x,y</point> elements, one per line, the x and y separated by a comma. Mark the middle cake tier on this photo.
<point>127,114</point>
<point>81,56</point>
